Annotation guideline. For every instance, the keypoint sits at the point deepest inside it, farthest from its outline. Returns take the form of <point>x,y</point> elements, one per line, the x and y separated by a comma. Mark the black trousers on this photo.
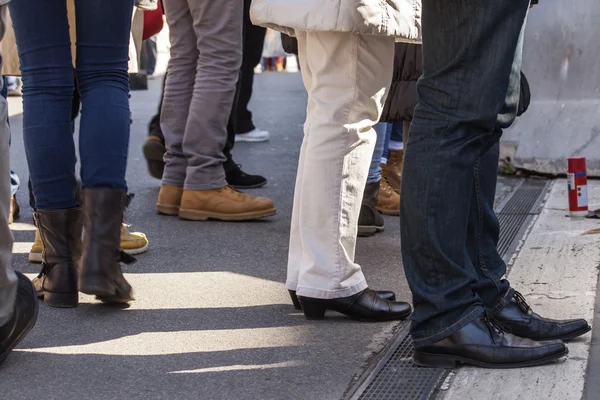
<point>254,37</point>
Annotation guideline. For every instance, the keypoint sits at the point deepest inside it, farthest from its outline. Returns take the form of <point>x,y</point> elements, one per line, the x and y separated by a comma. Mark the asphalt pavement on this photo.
<point>211,319</point>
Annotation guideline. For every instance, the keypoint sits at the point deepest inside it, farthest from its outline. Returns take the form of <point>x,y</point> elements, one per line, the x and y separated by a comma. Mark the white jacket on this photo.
<point>398,18</point>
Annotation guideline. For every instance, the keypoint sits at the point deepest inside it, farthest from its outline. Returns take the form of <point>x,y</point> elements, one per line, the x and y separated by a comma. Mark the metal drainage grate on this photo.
<point>395,376</point>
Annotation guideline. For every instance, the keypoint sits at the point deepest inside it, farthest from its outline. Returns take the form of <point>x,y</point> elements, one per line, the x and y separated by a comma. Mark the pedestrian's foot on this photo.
<point>520,319</point>
<point>384,294</point>
<point>154,151</point>
<point>255,135</point>
<point>370,220</point>
<point>388,201</point>
<point>169,200</point>
<point>239,179</point>
<point>364,306</point>
<point>133,242</point>
<point>483,343</point>
<point>35,254</point>
<point>23,319</point>
<point>226,204</point>
<point>15,210</point>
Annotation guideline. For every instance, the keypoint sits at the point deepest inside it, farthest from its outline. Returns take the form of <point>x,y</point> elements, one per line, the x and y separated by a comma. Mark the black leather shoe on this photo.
<point>60,231</point>
<point>23,319</point>
<point>239,179</point>
<point>483,343</point>
<point>364,306</point>
<point>520,319</point>
<point>384,294</point>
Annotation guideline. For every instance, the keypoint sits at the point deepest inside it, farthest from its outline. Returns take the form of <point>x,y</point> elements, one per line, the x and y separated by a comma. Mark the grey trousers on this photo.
<point>206,55</point>
<point>8,279</point>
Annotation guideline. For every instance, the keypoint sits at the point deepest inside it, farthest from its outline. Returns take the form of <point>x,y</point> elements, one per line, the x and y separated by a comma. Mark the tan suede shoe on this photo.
<point>169,200</point>
<point>388,201</point>
<point>225,204</point>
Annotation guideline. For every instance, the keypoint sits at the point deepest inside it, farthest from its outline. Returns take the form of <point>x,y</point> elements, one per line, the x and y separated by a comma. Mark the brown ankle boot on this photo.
<point>388,201</point>
<point>169,200</point>
<point>225,204</point>
<point>101,272</point>
<point>60,233</point>
<point>394,168</point>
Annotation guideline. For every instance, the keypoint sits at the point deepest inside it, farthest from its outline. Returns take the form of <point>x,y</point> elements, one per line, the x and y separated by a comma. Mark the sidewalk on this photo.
<point>557,270</point>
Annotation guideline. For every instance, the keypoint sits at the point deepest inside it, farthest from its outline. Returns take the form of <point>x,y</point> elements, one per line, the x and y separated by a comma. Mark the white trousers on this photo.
<point>347,77</point>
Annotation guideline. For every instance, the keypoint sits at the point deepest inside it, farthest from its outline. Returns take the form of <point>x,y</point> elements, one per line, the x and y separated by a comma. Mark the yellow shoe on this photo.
<point>226,204</point>
<point>35,254</point>
<point>133,242</point>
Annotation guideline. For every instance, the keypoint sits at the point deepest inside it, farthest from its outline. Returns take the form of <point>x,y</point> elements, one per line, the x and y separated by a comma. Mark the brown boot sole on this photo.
<point>385,211</point>
<point>195,215</point>
<point>167,209</point>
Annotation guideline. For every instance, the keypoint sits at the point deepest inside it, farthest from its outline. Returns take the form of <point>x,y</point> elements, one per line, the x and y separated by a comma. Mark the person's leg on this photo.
<point>386,143</point>
<point>151,52</point>
<point>395,156</point>
<point>448,135</point>
<point>8,279</point>
<point>178,89</point>
<point>329,203</point>
<point>47,94</point>
<point>254,37</point>
<point>103,29</point>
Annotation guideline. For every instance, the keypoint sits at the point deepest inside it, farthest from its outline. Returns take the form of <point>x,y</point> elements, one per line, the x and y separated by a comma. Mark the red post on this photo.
<point>578,194</point>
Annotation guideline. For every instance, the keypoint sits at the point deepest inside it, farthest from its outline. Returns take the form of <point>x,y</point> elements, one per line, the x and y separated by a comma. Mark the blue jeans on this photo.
<point>393,132</point>
<point>467,95</point>
<point>375,168</point>
<point>42,33</point>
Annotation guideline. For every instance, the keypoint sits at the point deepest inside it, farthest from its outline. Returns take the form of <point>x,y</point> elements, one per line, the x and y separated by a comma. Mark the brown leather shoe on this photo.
<point>169,200</point>
<point>388,201</point>
<point>225,204</point>
<point>394,168</point>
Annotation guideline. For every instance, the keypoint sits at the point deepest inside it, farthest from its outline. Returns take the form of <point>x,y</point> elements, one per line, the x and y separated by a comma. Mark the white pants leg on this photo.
<point>347,78</point>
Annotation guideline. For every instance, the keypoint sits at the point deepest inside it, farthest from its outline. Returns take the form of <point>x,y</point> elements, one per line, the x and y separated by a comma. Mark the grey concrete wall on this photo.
<point>562,64</point>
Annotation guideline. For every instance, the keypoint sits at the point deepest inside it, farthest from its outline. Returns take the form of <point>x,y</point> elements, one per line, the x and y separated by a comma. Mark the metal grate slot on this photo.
<point>395,376</point>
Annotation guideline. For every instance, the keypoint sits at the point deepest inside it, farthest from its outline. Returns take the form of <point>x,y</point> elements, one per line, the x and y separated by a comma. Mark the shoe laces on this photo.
<point>521,302</point>
<point>495,327</point>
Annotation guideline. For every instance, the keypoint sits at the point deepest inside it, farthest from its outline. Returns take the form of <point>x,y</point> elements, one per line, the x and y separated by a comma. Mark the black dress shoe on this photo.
<point>518,317</point>
<point>363,306</point>
<point>384,294</point>
<point>239,179</point>
<point>483,343</point>
<point>23,319</point>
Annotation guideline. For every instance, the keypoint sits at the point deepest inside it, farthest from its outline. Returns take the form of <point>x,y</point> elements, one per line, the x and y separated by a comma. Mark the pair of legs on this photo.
<point>42,34</point>
<point>449,238</point>
<point>347,78</point>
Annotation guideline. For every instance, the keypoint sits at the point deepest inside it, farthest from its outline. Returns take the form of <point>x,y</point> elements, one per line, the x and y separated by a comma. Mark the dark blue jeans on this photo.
<point>471,51</point>
<point>42,33</point>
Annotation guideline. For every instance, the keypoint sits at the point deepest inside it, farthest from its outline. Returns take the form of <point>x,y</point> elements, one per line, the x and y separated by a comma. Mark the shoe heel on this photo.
<point>62,300</point>
<point>433,361</point>
<point>295,300</point>
<point>312,310</point>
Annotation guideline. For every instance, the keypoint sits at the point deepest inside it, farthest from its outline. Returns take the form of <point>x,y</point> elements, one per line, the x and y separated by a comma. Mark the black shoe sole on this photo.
<point>450,362</point>
<point>369,230</point>
<point>568,337</point>
<point>26,330</point>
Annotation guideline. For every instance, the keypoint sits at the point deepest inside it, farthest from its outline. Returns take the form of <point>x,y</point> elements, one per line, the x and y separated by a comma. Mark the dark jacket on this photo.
<point>402,99</point>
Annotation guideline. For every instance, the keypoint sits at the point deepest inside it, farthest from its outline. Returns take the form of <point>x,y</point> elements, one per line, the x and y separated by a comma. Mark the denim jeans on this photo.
<point>375,168</point>
<point>467,94</point>
<point>42,34</point>
<point>393,132</point>
<point>14,178</point>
